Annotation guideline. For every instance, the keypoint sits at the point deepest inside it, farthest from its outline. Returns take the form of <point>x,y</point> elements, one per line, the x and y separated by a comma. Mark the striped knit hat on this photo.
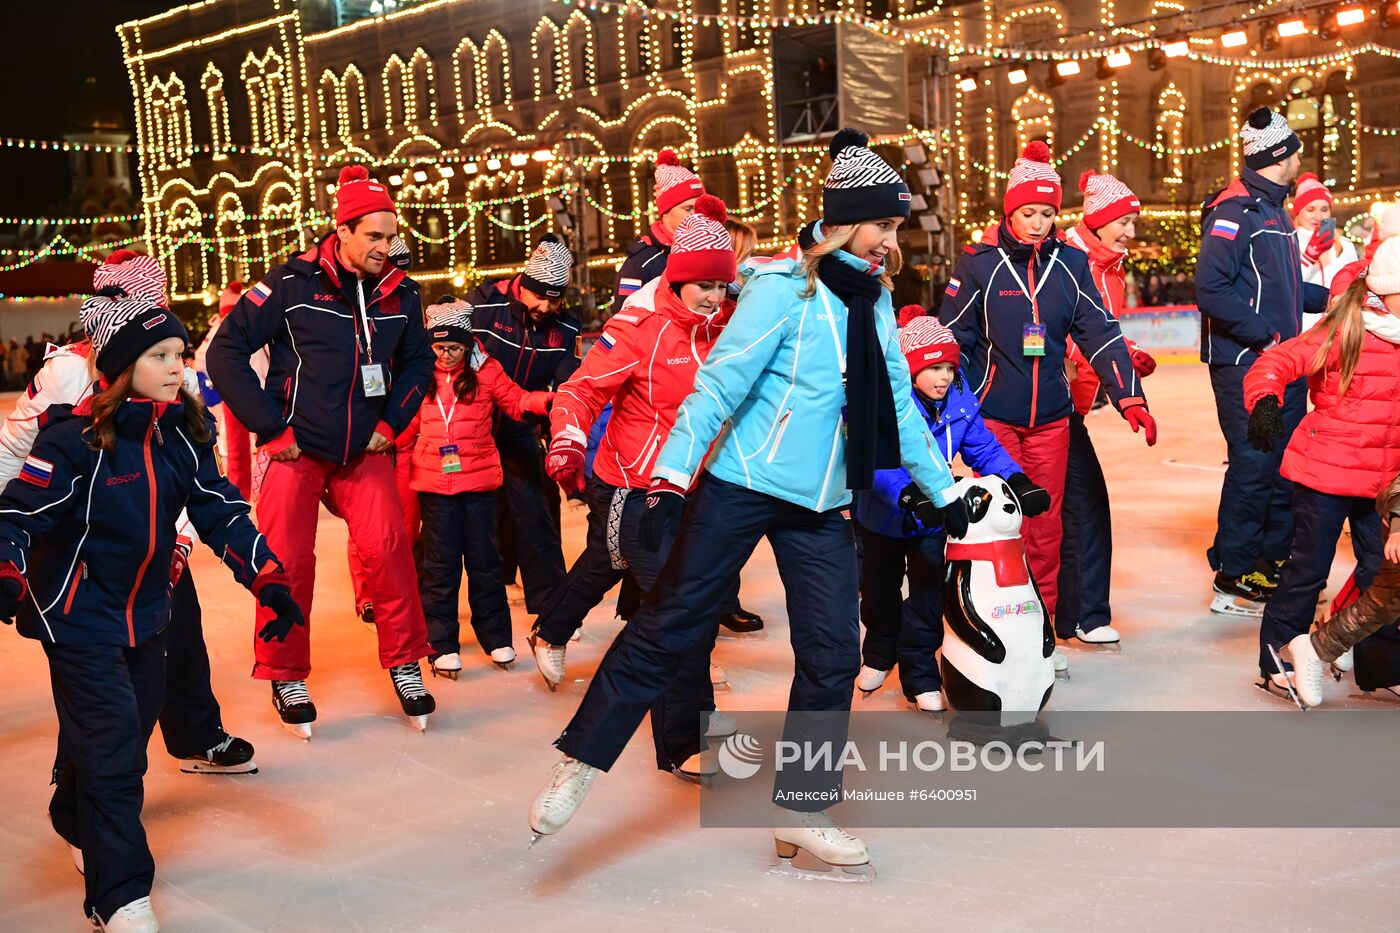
<point>450,318</point>
<point>1310,188</point>
<point>123,326</point>
<point>399,255</point>
<point>702,249</point>
<point>674,182</point>
<point>860,186</point>
<point>1033,180</point>
<point>1267,139</point>
<point>923,341</point>
<point>1105,199</point>
<point>134,274</point>
<point>547,272</point>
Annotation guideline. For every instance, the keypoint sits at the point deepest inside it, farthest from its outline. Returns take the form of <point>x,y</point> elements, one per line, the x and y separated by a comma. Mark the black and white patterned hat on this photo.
<point>861,186</point>
<point>1267,139</point>
<point>547,272</point>
<point>122,327</point>
<point>450,319</point>
<point>399,254</point>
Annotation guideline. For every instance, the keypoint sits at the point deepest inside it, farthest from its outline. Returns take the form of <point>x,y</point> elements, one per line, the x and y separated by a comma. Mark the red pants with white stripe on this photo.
<point>1043,452</point>
<point>363,493</point>
<point>238,464</point>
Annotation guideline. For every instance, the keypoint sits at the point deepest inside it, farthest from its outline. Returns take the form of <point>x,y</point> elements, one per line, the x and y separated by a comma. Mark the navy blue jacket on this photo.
<point>94,532</point>
<point>1249,278</point>
<point>999,286</point>
<point>308,313</point>
<point>646,259</point>
<point>957,428</point>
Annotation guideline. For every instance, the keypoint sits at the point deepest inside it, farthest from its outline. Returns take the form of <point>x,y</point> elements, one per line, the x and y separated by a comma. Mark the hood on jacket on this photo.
<point>1101,256</point>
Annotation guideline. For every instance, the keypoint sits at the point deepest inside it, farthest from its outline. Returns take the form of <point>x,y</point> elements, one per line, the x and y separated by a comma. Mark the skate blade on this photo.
<point>703,780</point>
<point>447,675</point>
<point>419,722</point>
<point>204,767</point>
<point>1273,690</point>
<point>805,866</point>
<point>1108,647</point>
<point>724,687</point>
<point>865,694</point>
<point>937,715</point>
<point>1062,675</point>
<point>1229,606</point>
<point>503,665</point>
<point>299,730</point>
<point>756,634</point>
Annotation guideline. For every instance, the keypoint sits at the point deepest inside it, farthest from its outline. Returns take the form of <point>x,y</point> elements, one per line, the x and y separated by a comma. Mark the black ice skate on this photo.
<point>293,704</point>
<point>741,624</point>
<point>366,614</point>
<point>417,702</point>
<point>1239,596</point>
<point>231,756</point>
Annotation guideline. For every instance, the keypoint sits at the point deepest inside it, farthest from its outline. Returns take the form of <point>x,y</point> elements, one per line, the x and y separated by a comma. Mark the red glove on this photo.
<point>565,461</point>
<point>1143,363</point>
<point>539,403</point>
<point>180,559</point>
<point>1318,244</point>
<point>1138,417</point>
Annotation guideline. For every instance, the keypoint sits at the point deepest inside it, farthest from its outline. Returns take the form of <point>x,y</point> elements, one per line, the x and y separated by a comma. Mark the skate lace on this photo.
<point>290,692</point>
<point>823,825</point>
<point>221,747</point>
<point>569,782</point>
<point>133,910</point>
<point>408,681</point>
<point>1313,672</point>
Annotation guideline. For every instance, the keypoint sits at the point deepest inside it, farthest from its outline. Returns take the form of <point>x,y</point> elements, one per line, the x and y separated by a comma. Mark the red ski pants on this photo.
<point>1043,452</point>
<point>363,493</point>
<point>238,465</point>
<point>408,499</point>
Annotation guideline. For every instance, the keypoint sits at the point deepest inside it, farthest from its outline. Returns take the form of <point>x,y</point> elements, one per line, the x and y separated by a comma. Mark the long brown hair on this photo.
<point>102,433</point>
<point>1345,327</point>
<point>464,386</point>
<point>836,238</point>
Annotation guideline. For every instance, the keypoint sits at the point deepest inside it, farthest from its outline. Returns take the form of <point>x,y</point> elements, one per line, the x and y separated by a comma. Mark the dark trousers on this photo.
<point>189,720</point>
<point>459,531</point>
<point>1317,525</point>
<point>107,698</point>
<point>901,631</point>
<point>1254,521</point>
<point>526,497</point>
<point>1086,551</point>
<point>614,549</point>
<point>815,553</point>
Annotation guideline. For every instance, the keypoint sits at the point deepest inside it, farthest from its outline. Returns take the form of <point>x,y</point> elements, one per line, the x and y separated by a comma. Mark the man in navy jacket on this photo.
<point>349,364</point>
<point>1249,285</point>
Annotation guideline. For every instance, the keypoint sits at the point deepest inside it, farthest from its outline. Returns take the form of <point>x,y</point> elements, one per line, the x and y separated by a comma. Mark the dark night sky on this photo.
<point>55,46</point>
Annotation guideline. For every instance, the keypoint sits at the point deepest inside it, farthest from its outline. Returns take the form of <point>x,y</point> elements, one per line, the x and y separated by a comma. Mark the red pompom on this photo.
<point>667,157</point>
<point>712,207</point>
<point>235,288</point>
<point>120,256</point>
<point>1037,151</point>
<point>1084,180</point>
<point>1307,176</point>
<point>353,173</point>
<point>908,313</point>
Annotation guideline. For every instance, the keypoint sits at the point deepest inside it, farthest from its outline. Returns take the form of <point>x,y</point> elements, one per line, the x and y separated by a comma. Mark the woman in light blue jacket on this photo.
<point>808,394</point>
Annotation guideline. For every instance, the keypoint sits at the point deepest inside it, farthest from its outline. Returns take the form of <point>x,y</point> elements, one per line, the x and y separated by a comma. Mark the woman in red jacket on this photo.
<point>1086,550</point>
<point>454,467</point>
<point>1343,453</point>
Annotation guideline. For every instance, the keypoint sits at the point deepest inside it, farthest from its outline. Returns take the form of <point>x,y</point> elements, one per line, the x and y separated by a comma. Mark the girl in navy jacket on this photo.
<point>87,533</point>
<point>893,537</point>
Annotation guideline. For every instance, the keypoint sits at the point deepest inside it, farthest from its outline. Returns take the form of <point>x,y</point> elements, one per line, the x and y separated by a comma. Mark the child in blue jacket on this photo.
<point>896,542</point>
<point>87,533</point>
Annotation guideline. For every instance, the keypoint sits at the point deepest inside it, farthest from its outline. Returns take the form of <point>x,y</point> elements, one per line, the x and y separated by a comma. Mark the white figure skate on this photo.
<point>931,702</point>
<point>504,658</point>
<point>1307,669</point>
<point>446,665</point>
<point>720,726</point>
<point>569,781</point>
<point>869,680</point>
<point>136,917</point>
<point>550,661</point>
<point>1061,664</point>
<point>1103,638</point>
<point>719,680</point>
<point>810,845</point>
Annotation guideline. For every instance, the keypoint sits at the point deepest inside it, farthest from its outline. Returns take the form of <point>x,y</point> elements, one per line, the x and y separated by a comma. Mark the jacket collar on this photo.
<point>999,235</point>
<point>1104,258</point>
<point>667,302</point>
<point>327,259</point>
<point>660,235</point>
<point>1264,189</point>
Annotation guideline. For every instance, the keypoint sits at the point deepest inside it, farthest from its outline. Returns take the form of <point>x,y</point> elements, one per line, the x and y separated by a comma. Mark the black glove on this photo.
<point>956,518</point>
<point>11,593</point>
<point>952,517</point>
<point>1265,424</point>
<point>665,502</point>
<point>278,598</point>
<point>1033,499</point>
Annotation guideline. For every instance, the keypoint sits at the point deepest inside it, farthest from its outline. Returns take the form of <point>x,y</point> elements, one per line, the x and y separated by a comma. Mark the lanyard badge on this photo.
<point>451,460</point>
<point>372,379</point>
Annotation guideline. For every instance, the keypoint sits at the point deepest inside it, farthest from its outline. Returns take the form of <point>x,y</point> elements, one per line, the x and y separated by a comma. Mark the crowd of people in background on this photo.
<point>729,397</point>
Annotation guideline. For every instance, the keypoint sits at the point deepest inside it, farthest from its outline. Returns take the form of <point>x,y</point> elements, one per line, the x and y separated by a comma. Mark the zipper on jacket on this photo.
<point>1035,319</point>
<point>79,575</point>
<point>151,539</point>
<point>350,400</point>
<point>778,439</point>
<point>1116,374</point>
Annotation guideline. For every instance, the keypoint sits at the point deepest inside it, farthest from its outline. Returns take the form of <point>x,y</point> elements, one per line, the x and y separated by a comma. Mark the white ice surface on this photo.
<point>373,827</point>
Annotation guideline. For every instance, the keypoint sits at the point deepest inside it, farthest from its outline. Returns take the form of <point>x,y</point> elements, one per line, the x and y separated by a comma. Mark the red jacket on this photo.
<point>645,364</point>
<point>421,443</point>
<point>1106,269</point>
<point>1347,445</point>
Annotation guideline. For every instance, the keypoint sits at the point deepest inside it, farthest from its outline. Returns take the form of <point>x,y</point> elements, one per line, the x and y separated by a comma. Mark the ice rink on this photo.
<point>374,827</point>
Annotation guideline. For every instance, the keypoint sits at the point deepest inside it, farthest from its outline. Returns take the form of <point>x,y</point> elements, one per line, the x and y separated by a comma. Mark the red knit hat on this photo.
<point>357,195</point>
<point>923,341</point>
<point>674,182</point>
<point>1310,188</point>
<point>702,249</point>
<point>1033,180</point>
<point>1105,199</point>
<point>229,297</point>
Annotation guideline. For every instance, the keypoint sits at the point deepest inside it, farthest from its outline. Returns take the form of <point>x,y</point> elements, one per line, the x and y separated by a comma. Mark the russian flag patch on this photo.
<point>36,472</point>
<point>259,293</point>
<point>1226,229</point>
<point>605,342</point>
<point>952,290</point>
<point>628,286</point>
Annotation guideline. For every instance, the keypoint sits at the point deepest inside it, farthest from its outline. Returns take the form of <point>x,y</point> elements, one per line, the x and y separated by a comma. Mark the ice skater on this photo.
<point>1343,453</point>
<point>895,544</point>
<point>809,379</point>
<point>87,540</point>
<point>454,470</point>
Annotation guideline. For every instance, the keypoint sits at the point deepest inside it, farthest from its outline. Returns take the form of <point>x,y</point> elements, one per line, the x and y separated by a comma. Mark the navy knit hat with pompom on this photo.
<point>861,186</point>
